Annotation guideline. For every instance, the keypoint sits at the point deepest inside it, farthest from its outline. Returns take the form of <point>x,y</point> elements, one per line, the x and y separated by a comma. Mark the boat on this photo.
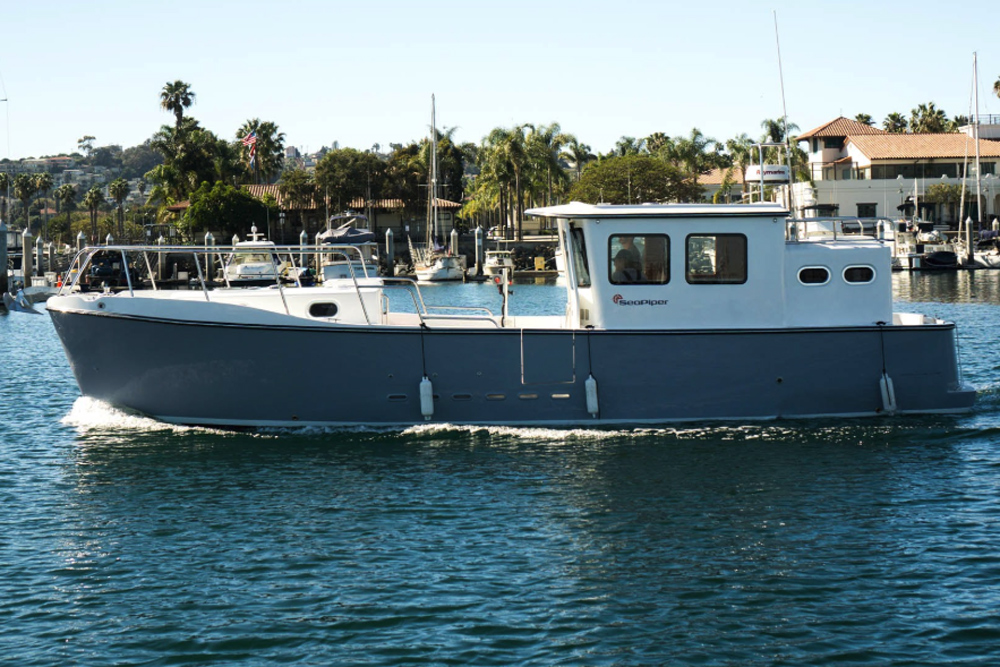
<point>917,246</point>
<point>738,314</point>
<point>253,263</point>
<point>434,262</point>
<point>351,231</point>
<point>18,303</point>
<point>498,261</point>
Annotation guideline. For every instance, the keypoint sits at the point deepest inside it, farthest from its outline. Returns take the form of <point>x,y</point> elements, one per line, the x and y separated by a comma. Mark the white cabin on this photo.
<point>673,266</point>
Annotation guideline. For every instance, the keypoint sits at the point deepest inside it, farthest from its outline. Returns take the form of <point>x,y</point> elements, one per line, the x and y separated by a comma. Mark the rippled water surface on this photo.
<point>125,542</point>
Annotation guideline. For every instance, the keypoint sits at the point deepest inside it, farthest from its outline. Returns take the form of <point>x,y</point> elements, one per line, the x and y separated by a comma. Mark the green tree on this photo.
<point>176,97</point>
<point>93,201</point>
<point>224,209</point>
<point>298,188</point>
<point>578,154</point>
<point>269,151</point>
<point>503,160</point>
<point>741,155</point>
<point>43,183</point>
<point>629,146</point>
<point>136,161</point>
<point>191,156</point>
<point>118,190</point>
<point>928,119</point>
<point>895,123</point>
<point>630,179</point>
<point>695,153</point>
<point>864,118</point>
<point>544,145</point>
<point>24,190</point>
<point>346,174</point>
<point>956,124</point>
<point>86,144</point>
<point>4,194</point>
<point>66,196</point>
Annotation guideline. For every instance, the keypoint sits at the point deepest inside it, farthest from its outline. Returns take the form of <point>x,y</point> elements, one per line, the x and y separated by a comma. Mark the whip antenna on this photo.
<point>784,118</point>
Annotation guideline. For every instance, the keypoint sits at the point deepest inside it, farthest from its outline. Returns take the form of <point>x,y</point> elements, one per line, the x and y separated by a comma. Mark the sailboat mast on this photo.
<point>434,205</point>
<point>975,134</point>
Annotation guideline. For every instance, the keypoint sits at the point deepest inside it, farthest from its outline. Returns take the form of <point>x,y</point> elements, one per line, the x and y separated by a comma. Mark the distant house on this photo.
<point>856,169</point>
<point>713,180</point>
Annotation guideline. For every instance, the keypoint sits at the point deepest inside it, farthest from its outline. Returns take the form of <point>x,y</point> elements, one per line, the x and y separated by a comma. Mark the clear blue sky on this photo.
<point>362,72</point>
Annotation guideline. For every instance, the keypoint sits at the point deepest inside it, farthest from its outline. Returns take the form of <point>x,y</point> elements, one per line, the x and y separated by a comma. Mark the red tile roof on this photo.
<point>922,146</point>
<point>840,127</point>
<point>716,176</point>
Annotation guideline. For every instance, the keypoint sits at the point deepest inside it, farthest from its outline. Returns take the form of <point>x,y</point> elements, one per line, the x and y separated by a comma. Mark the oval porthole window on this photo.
<point>322,309</point>
<point>814,275</point>
<point>859,274</point>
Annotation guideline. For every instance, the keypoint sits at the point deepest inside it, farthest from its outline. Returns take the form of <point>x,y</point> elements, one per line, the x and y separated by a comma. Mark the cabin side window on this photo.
<point>322,309</point>
<point>716,259</point>
<point>639,259</point>
<point>814,275</point>
<point>579,257</point>
<point>859,275</point>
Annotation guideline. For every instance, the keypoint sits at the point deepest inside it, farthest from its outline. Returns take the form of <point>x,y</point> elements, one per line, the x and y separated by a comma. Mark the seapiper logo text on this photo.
<point>620,301</point>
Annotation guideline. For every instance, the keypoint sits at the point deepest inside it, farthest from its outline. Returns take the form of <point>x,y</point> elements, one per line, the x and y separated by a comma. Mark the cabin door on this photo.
<point>548,358</point>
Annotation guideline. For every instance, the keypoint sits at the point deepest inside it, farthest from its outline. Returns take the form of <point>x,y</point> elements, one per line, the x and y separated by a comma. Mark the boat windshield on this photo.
<point>251,258</point>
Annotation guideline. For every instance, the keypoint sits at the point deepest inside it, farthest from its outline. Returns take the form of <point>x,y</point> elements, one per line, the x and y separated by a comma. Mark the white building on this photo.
<point>857,169</point>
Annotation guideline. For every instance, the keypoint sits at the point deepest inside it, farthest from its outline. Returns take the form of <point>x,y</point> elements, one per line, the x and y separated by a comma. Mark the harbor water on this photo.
<point>873,541</point>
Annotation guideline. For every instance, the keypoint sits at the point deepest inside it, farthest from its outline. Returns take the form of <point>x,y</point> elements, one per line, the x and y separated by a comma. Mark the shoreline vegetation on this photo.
<point>189,180</point>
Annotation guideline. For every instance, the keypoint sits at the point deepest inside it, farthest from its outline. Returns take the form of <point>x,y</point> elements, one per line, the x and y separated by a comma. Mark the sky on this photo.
<point>362,73</point>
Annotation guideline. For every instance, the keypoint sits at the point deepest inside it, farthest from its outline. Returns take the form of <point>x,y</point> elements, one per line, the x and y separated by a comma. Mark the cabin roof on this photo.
<point>580,210</point>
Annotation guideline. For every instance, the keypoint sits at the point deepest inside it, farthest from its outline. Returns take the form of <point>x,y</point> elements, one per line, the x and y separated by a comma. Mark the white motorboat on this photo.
<point>253,263</point>
<point>498,261</point>
<point>361,261</point>
<point>736,314</point>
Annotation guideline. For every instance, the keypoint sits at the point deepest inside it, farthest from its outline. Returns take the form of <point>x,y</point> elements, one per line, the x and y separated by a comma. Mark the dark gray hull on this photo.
<point>219,374</point>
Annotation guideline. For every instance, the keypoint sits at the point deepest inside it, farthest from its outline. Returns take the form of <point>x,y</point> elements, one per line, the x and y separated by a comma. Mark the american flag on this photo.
<point>251,141</point>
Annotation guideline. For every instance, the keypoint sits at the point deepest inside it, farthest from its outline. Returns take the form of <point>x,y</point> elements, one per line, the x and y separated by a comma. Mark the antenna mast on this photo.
<point>784,118</point>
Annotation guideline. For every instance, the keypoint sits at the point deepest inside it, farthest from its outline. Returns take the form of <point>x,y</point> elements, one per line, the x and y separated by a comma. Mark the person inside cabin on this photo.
<point>634,256</point>
<point>624,272</point>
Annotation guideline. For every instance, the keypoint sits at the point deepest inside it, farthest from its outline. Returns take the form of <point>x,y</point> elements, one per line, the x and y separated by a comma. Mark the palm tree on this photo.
<point>24,190</point>
<point>269,148</point>
<point>864,118</point>
<point>4,193</point>
<point>93,200</point>
<point>504,160</point>
<point>543,146</point>
<point>43,183</point>
<point>996,87</point>
<point>629,146</point>
<point>176,97</point>
<point>741,152</point>
<point>777,131</point>
<point>118,190</point>
<point>697,154</point>
<point>579,154</point>
<point>66,196</point>
<point>895,123</point>
<point>928,119</point>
